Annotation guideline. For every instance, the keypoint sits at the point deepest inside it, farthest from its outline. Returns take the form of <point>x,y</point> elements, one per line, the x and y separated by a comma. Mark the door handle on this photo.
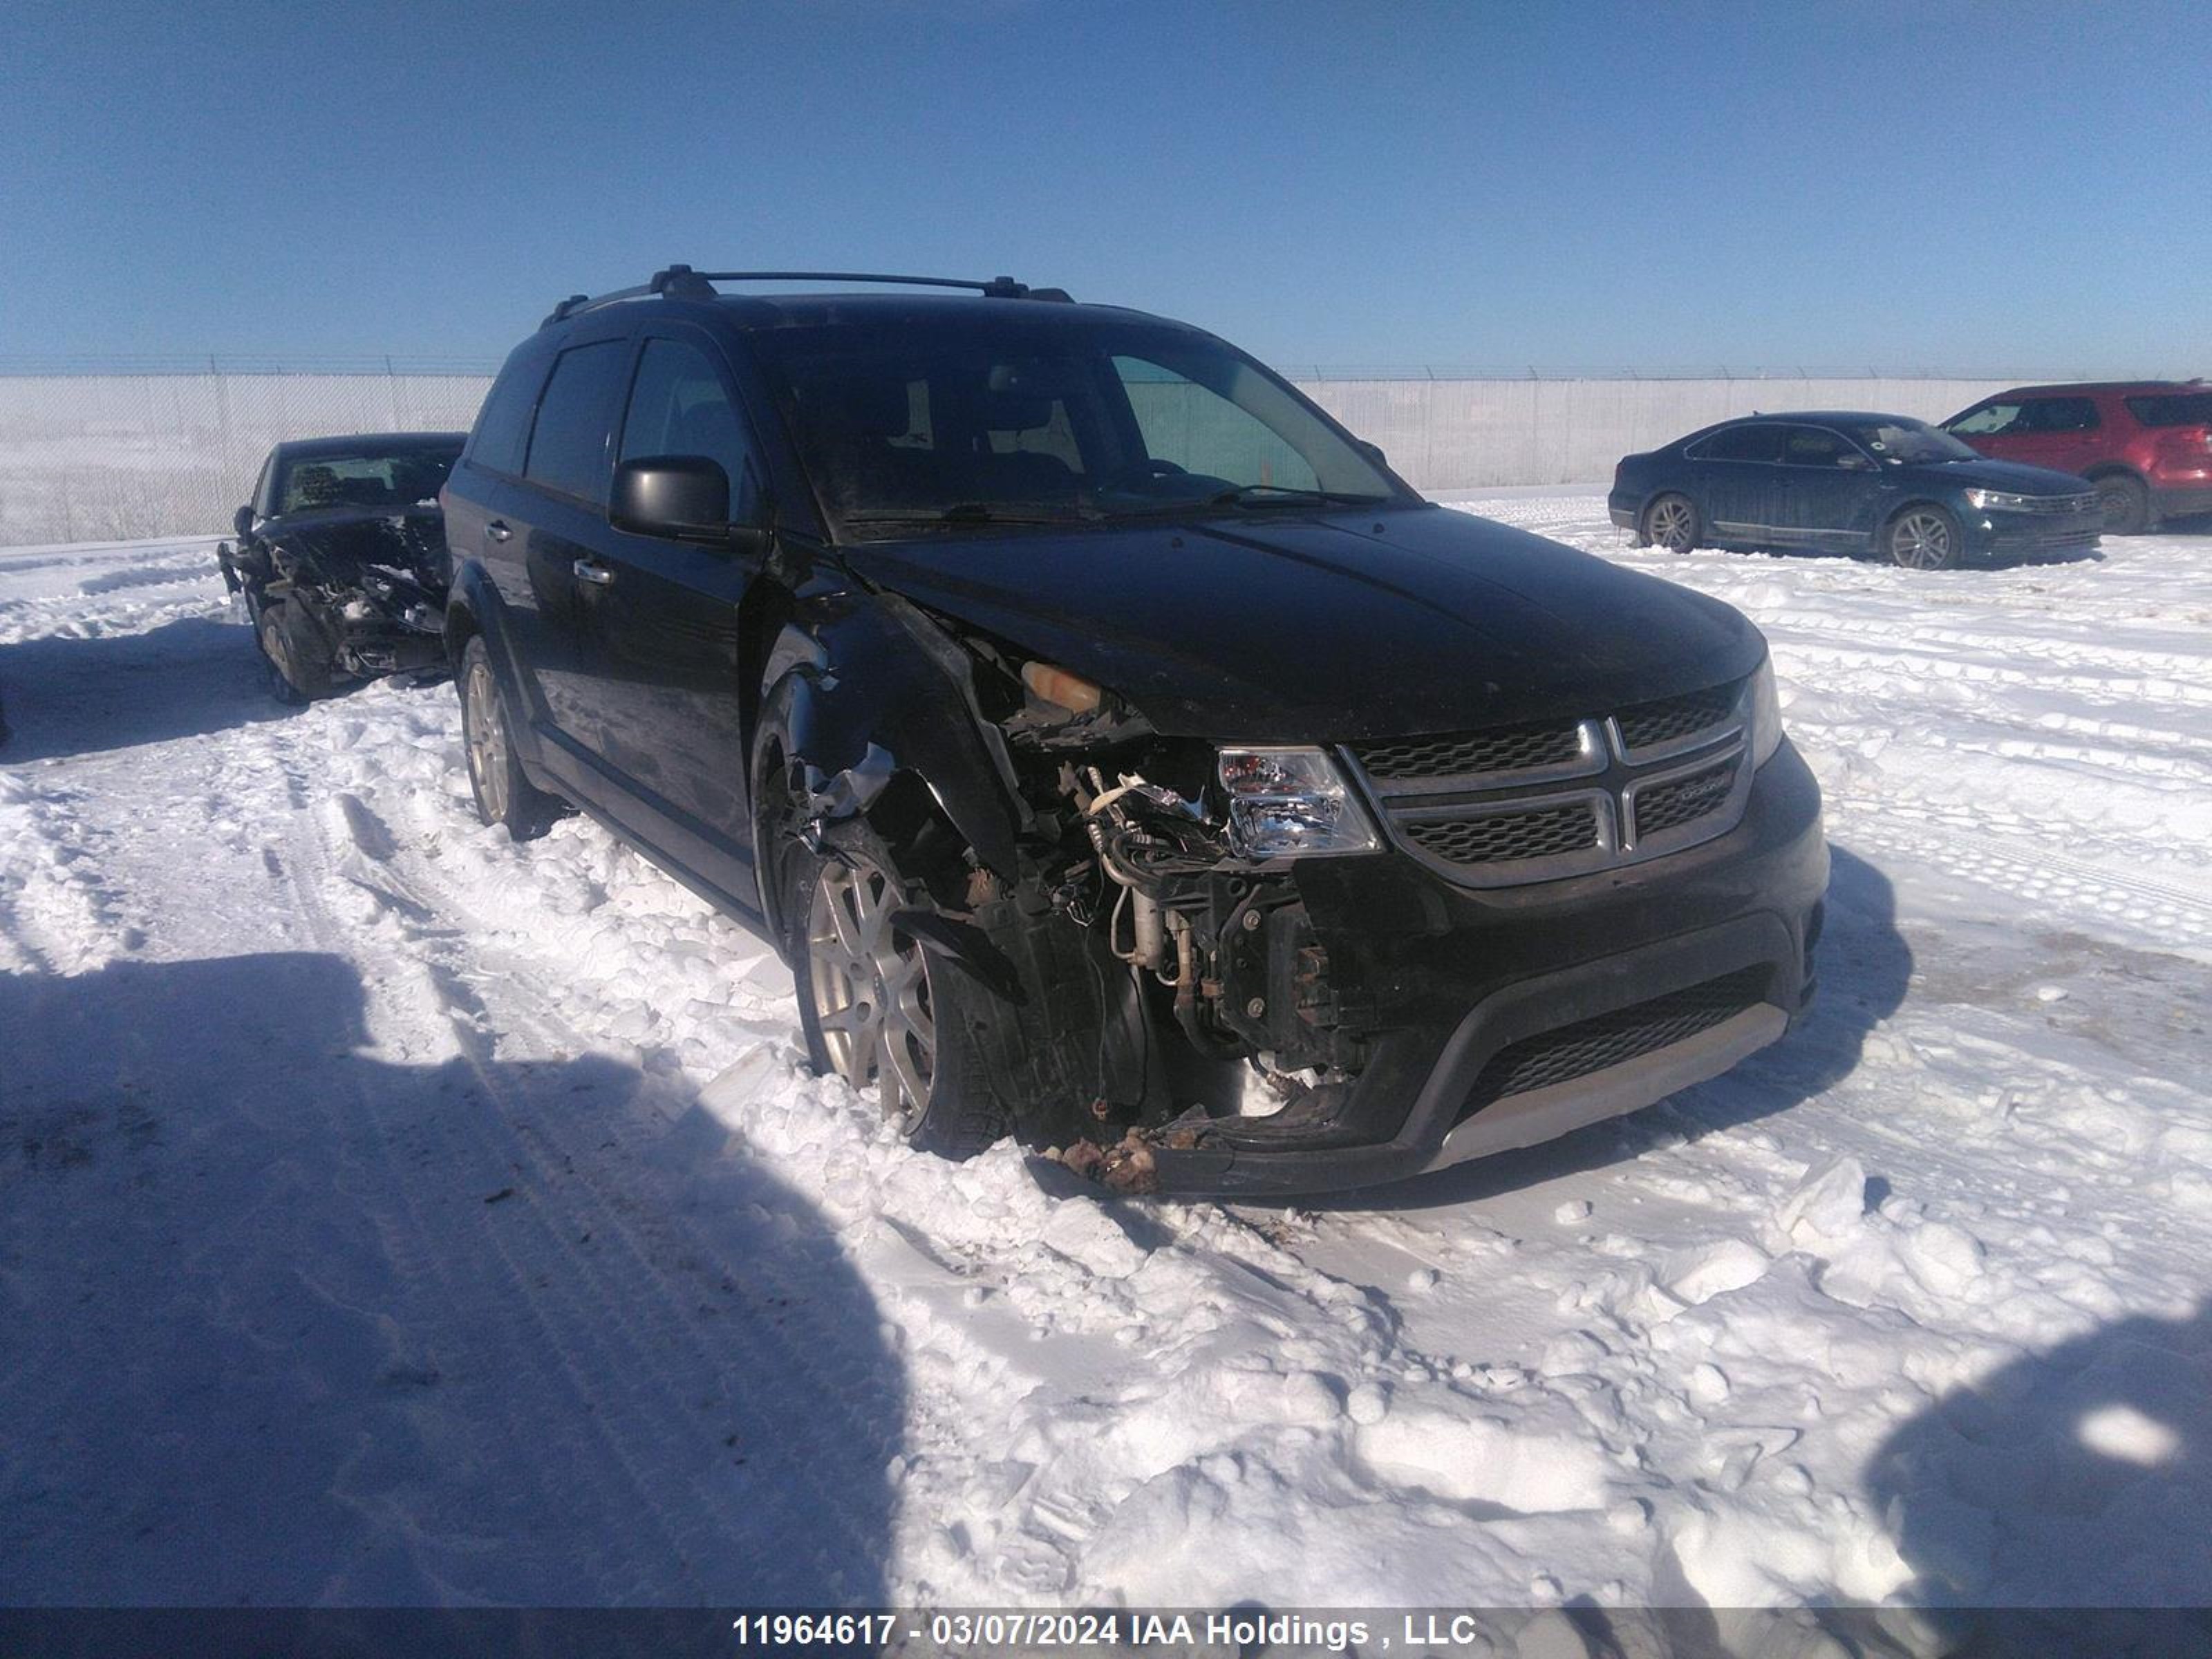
<point>598,574</point>
<point>497,530</point>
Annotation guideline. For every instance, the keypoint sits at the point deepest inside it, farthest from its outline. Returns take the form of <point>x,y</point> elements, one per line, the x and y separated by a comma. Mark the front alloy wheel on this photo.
<point>871,988</point>
<point>1923,538</point>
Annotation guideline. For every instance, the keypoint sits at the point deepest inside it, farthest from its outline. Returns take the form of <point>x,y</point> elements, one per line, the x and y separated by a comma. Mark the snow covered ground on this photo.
<point>389,1213</point>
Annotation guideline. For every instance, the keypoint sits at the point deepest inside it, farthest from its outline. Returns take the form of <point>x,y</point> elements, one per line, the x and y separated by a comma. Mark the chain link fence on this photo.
<point>98,451</point>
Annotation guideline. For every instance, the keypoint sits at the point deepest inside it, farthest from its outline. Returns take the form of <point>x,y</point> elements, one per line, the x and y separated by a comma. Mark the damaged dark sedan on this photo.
<point>1123,758</point>
<point>341,561</point>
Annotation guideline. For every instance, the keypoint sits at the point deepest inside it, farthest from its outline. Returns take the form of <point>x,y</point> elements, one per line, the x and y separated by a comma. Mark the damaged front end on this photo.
<point>1214,969</point>
<point>362,590</point>
<point>1166,993</point>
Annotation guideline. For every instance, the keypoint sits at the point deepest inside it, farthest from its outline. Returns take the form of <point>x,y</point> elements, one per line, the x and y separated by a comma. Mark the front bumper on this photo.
<point>2006,536</point>
<point>1587,997</point>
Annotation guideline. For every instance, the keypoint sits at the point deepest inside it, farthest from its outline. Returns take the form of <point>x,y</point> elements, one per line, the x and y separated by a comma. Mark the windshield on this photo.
<point>312,483</point>
<point>1909,443</point>
<point>1002,420</point>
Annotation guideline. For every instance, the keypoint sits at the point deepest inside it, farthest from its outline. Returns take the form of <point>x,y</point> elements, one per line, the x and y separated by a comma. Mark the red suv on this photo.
<point>2147,445</point>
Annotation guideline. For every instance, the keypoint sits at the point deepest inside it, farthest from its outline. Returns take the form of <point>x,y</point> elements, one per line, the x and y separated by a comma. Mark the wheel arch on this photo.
<point>862,719</point>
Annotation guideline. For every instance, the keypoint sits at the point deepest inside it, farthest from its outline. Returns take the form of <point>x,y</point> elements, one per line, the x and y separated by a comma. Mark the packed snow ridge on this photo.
<point>390,1213</point>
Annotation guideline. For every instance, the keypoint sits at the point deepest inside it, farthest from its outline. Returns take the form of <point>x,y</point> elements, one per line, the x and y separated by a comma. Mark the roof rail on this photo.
<point>682,282</point>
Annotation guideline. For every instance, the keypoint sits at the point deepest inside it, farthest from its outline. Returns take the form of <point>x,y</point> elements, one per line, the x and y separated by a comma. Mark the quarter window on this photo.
<point>502,427</point>
<point>569,444</point>
<point>2174,409</point>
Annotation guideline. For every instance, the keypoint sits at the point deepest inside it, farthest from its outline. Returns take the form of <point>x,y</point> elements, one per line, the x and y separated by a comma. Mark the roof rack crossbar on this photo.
<point>682,282</point>
<point>682,278</point>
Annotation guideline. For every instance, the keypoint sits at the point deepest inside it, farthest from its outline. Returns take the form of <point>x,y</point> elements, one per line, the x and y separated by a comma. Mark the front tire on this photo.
<point>1670,523</point>
<point>298,673</point>
<point>879,1008</point>
<point>2126,504</point>
<point>503,794</point>
<point>1923,537</point>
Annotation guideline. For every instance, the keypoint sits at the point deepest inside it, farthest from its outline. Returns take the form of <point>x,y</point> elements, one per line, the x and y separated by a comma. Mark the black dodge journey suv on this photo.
<point>1121,755</point>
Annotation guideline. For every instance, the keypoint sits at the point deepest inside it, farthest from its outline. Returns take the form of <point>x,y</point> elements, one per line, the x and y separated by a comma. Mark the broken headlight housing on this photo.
<point>1290,803</point>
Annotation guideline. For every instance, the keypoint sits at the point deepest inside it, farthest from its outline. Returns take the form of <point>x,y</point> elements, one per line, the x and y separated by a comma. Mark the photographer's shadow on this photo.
<point>290,1322</point>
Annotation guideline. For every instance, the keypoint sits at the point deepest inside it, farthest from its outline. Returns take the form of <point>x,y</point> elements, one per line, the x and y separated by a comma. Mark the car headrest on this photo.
<point>1015,411</point>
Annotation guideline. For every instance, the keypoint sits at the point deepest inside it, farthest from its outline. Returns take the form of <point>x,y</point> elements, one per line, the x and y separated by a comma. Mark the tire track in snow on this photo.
<point>614,1310</point>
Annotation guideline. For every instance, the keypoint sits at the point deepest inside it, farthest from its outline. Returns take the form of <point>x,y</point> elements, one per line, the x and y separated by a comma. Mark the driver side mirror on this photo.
<point>241,522</point>
<point>681,497</point>
<point>1372,452</point>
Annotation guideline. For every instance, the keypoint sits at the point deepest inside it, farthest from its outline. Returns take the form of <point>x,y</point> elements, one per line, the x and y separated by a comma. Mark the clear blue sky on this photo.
<point>2004,186</point>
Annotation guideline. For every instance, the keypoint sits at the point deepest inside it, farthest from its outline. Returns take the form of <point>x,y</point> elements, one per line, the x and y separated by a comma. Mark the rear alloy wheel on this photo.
<point>1670,523</point>
<point>2126,504</point>
<point>1923,539</point>
<point>503,794</point>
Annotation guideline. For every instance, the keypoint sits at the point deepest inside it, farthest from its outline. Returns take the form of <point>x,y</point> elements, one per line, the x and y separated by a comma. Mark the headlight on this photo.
<point>1996,500</point>
<point>1766,715</point>
<point>1287,802</point>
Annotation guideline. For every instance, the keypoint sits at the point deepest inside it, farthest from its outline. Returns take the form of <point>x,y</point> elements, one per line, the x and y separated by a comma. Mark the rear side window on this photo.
<point>2174,409</point>
<point>1742,443</point>
<point>569,444</point>
<point>504,424</point>
<point>2056,415</point>
<point>677,407</point>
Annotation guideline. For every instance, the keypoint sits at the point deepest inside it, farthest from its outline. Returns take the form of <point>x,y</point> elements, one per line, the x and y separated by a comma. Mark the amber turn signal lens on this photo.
<point>1060,688</point>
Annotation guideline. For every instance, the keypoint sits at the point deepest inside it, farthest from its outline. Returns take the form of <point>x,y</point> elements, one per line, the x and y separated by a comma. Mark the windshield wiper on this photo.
<point>1268,494</point>
<point>975,513</point>
<point>1250,496</point>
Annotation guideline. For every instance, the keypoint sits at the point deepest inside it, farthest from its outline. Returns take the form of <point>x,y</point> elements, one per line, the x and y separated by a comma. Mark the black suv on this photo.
<point>1121,754</point>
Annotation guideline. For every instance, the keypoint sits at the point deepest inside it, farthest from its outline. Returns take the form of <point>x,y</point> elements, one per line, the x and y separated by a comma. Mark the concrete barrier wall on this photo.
<point>102,457</point>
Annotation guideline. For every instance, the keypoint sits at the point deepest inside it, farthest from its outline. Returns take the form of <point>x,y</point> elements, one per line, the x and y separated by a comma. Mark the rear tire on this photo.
<point>298,671</point>
<point>1670,523</point>
<point>2126,504</point>
<point>1923,537</point>
<point>503,794</point>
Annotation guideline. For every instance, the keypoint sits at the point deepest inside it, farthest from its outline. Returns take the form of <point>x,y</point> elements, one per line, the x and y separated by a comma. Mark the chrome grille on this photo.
<point>2068,505</point>
<point>1497,837</point>
<point>1608,1039</point>
<point>1541,801</point>
<point>1659,807</point>
<point>1655,725</point>
<point>1509,749</point>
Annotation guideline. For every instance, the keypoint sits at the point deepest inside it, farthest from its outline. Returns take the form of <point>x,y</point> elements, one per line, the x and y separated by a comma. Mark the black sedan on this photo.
<point>341,559</point>
<point>1850,483</point>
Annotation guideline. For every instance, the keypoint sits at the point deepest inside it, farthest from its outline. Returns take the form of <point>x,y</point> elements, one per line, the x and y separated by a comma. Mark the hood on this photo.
<point>406,539</point>
<point>2020,479</point>
<point>1337,627</point>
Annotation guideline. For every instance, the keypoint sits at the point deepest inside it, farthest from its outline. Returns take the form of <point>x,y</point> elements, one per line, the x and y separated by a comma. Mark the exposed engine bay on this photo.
<point>356,593</point>
<point>1169,948</point>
